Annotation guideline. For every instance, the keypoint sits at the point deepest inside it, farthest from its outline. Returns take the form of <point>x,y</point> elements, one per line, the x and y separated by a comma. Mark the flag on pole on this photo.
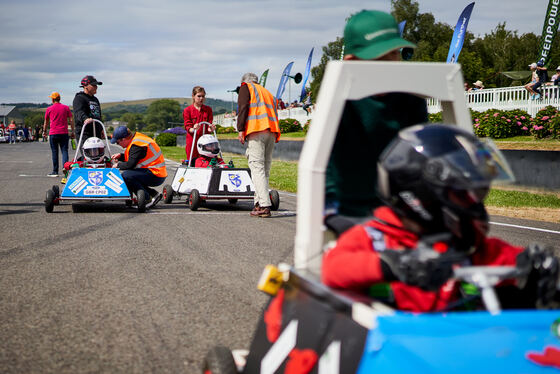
<point>284,80</point>
<point>306,75</point>
<point>550,27</point>
<point>459,34</point>
<point>262,79</point>
<point>401,27</point>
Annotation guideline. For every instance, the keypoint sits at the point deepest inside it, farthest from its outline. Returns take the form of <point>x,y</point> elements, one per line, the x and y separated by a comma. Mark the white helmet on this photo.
<point>94,150</point>
<point>208,146</point>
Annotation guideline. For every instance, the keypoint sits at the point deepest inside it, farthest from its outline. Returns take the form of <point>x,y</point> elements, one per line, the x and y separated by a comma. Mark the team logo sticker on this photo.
<point>95,177</point>
<point>235,179</point>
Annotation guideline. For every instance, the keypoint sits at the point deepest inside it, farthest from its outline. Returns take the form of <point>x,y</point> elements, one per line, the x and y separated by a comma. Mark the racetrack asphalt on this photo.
<point>110,290</point>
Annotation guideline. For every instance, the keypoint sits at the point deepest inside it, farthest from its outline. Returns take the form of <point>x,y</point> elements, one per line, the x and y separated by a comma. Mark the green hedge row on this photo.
<point>286,125</point>
<point>500,124</point>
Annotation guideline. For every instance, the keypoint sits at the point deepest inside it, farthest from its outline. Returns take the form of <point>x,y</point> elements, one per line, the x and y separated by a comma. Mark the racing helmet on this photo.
<point>438,176</point>
<point>94,150</point>
<point>208,146</point>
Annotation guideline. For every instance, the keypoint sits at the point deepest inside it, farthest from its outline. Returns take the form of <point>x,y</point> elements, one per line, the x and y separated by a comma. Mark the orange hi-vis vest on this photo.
<point>154,157</point>
<point>262,111</point>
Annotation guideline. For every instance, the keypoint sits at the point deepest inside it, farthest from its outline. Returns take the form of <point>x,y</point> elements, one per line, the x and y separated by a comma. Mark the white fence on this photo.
<point>505,98</point>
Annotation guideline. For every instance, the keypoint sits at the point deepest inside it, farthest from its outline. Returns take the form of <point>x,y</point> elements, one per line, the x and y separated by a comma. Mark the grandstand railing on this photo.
<point>504,98</point>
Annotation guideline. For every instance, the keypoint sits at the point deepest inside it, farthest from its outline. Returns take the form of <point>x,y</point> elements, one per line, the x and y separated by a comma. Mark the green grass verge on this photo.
<point>283,177</point>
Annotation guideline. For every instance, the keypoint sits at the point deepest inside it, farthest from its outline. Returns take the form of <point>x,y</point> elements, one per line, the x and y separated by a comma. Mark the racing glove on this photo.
<point>422,267</point>
<point>540,269</point>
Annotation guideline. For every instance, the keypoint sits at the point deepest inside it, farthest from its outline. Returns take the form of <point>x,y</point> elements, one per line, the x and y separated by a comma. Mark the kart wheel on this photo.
<point>274,200</point>
<point>49,201</point>
<point>167,194</point>
<point>75,208</point>
<point>194,199</point>
<point>232,201</point>
<point>219,360</point>
<point>141,197</point>
<point>56,190</point>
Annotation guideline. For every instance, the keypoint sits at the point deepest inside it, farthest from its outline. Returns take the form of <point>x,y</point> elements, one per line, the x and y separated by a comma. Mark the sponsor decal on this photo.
<point>114,178</point>
<point>96,191</point>
<point>78,185</point>
<point>113,186</point>
<point>235,179</point>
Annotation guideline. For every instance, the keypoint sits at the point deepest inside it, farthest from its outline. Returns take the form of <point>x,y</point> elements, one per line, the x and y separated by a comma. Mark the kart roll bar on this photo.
<point>194,140</point>
<point>352,80</point>
<point>78,147</point>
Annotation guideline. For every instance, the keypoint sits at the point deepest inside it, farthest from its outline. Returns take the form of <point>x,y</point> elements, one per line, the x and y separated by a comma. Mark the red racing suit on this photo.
<point>354,262</point>
<point>206,162</point>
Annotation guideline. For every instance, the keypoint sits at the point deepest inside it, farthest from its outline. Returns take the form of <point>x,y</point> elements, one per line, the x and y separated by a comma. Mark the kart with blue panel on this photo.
<point>219,182</point>
<point>91,179</point>
<point>307,327</point>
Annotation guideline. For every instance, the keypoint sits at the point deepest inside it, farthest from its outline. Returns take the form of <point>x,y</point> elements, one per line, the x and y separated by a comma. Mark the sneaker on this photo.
<point>154,201</point>
<point>53,174</point>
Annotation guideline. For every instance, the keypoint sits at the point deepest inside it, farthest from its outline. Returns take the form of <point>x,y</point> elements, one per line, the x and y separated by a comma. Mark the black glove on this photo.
<point>230,164</point>
<point>422,267</point>
<point>540,269</point>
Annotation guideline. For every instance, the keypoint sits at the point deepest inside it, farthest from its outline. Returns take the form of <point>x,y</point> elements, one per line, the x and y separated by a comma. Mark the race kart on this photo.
<point>4,137</point>
<point>307,327</point>
<point>217,183</point>
<point>89,183</point>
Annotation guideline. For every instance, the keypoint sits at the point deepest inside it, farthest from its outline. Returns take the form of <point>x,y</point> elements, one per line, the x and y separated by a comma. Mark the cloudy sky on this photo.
<point>162,48</point>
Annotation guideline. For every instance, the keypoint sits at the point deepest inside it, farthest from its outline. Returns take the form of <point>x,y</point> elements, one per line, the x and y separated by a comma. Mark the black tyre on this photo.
<point>141,197</point>
<point>75,208</point>
<point>167,194</point>
<point>274,200</point>
<point>194,200</point>
<point>128,203</point>
<point>219,360</point>
<point>49,201</point>
<point>56,190</point>
<point>232,201</point>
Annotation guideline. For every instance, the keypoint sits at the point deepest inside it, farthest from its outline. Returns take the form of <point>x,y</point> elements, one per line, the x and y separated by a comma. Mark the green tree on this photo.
<point>34,119</point>
<point>332,51</point>
<point>132,120</point>
<point>160,112</point>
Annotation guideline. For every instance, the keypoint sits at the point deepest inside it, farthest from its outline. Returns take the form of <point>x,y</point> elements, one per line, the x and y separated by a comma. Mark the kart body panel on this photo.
<point>214,183</point>
<point>95,184</point>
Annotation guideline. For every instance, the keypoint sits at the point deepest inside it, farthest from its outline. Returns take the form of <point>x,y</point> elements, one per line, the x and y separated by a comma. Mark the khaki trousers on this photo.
<point>259,155</point>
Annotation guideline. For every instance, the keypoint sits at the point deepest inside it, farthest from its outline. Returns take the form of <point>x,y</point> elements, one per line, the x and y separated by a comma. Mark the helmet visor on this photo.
<point>94,153</point>
<point>476,165</point>
<point>213,148</point>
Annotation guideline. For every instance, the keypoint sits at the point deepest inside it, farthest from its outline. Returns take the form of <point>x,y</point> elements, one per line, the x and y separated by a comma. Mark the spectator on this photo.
<point>466,86</point>
<point>37,132</point>
<point>12,129</point>
<point>542,73</point>
<point>477,85</point>
<point>87,108</point>
<point>307,103</point>
<point>192,116</point>
<point>534,80</point>
<point>257,124</point>
<point>442,210</point>
<point>281,104</point>
<point>58,116</point>
<point>367,125</point>
<point>142,163</point>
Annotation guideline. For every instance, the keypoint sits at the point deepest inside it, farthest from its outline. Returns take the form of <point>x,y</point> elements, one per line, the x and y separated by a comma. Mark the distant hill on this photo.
<point>139,106</point>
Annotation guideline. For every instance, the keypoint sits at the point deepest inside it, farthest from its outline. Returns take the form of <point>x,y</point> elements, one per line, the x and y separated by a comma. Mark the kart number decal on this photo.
<point>78,185</point>
<point>96,191</point>
<point>280,350</point>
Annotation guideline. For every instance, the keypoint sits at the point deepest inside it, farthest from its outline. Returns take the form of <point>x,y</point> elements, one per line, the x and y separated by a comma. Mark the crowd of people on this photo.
<point>13,133</point>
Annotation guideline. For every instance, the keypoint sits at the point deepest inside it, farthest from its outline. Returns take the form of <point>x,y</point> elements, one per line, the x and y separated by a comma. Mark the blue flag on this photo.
<point>283,80</point>
<point>306,75</point>
<point>459,34</point>
<point>401,27</point>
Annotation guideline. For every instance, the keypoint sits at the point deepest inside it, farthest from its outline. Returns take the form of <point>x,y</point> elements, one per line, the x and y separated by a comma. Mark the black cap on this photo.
<point>90,79</point>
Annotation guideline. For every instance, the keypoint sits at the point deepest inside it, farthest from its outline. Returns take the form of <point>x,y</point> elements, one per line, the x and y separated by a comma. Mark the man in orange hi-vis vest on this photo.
<point>257,124</point>
<point>142,163</point>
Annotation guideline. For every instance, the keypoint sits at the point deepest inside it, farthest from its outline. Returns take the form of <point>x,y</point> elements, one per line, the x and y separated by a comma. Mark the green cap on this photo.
<point>370,34</point>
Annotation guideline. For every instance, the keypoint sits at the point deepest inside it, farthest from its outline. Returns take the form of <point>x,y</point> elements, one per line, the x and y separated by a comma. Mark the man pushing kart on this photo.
<point>142,164</point>
<point>433,180</point>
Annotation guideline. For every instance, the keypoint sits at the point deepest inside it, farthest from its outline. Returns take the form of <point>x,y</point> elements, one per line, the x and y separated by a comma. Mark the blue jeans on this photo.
<point>58,140</point>
<point>141,179</point>
<point>12,136</point>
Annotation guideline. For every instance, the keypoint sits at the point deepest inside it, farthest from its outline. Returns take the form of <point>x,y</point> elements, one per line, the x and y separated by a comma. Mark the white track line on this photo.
<point>525,227</point>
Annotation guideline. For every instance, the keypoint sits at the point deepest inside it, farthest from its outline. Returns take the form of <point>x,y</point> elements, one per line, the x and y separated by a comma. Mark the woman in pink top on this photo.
<point>59,116</point>
<point>192,116</point>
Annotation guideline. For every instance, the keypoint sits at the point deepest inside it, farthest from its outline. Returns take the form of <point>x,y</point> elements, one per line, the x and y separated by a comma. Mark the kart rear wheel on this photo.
<point>219,360</point>
<point>274,200</point>
<point>232,201</point>
<point>194,200</point>
<point>49,201</point>
<point>56,190</point>
<point>141,197</point>
<point>167,194</point>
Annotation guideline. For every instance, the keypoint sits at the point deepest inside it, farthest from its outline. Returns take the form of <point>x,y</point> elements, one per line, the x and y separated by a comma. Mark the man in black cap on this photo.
<point>87,108</point>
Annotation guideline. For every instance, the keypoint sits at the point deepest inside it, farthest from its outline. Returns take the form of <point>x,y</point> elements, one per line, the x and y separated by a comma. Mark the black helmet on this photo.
<point>438,176</point>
